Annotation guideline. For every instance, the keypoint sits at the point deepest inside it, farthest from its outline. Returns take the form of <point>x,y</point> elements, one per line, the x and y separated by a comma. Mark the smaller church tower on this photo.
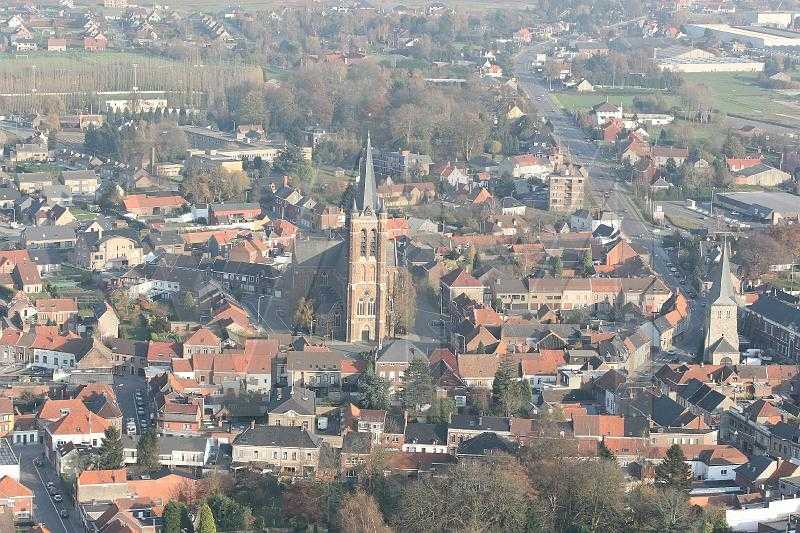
<point>721,345</point>
<point>367,273</point>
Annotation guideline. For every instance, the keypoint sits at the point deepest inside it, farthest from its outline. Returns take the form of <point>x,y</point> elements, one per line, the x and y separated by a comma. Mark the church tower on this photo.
<point>367,274</point>
<point>721,345</point>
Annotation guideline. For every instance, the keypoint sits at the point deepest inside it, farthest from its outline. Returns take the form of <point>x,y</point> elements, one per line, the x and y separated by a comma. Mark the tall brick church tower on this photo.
<point>368,272</point>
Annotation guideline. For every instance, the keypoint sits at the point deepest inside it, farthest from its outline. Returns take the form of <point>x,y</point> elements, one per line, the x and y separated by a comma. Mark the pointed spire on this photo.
<point>367,193</point>
<point>722,291</point>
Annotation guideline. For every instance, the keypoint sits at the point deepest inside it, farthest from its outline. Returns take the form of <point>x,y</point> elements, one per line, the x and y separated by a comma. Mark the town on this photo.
<point>418,267</point>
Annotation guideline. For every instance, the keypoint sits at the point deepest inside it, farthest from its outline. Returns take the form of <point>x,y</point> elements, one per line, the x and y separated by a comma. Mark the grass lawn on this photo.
<point>574,100</point>
<point>681,222</point>
<point>82,214</point>
<point>739,93</point>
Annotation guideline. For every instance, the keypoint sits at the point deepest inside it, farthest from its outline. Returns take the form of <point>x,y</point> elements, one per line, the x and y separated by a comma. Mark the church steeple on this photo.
<point>366,198</point>
<point>722,290</point>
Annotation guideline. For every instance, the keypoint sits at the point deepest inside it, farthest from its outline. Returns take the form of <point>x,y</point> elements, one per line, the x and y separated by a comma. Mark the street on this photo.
<point>35,477</point>
<point>125,387</point>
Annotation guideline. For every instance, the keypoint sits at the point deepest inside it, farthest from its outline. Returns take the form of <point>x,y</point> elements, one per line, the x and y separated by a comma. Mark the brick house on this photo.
<point>17,497</point>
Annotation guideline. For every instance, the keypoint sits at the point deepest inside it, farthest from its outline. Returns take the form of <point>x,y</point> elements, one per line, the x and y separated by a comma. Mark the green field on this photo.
<point>731,92</point>
<point>216,5</point>
<point>739,93</point>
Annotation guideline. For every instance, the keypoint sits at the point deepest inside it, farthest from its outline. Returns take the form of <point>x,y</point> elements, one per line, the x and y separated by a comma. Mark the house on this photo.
<point>297,410</point>
<point>102,485</point>
<point>454,176</point>
<point>735,164</point>
<point>202,341</point>
<point>29,182</point>
<point>662,154</point>
<point>149,205</point>
<point>458,282</point>
<point>584,86</point>
<point>233,213</point>
<point>542,369</point>
<point>182,451</point>
<point>180,416</point>
<point>6,416</point>
<point>16,497</point>
<point>80,182</point>
<point>51,237</point>
<point>78,426</point>
<point>394,358</point>
<point>423,437</point>
<point>316,370</point>
<point>527,165</point>
<point>107,250</point>
<point>478,370</point>
<point>606,111</point>
<point>26,277</point>
<point>285,450</point>
<point>55,310</point>
<point>465,427</point>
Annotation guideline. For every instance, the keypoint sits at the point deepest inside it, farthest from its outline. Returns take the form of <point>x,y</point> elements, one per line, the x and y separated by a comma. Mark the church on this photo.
<point>721,342</point>
<point>350,280</point>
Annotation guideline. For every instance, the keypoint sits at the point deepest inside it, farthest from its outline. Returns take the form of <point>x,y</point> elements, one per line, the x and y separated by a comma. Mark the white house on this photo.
<point>527,165</point>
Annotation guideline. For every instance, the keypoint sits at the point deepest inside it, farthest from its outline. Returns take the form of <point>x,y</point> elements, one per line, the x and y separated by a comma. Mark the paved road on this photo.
<point>46,510</point>
<point>126,387</point>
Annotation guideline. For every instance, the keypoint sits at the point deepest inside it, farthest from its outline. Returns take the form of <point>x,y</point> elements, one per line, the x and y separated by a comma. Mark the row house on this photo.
<point>232,213</point>
<point>180,416</point>
<point>317,370</point>
<point>773,325</point>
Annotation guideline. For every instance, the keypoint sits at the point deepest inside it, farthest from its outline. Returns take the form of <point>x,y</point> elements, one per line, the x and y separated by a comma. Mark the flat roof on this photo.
<point>780,202</point>
<point>771,36</point>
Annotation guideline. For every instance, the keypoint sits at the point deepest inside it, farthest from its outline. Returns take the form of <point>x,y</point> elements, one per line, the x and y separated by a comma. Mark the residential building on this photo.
<point>102,250</point>
<point>286,450</point>
<point>566,191</point>
<point>16,497</point>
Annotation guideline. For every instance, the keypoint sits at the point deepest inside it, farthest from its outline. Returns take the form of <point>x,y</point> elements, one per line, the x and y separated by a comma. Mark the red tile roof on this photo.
<point>202,337</point>
<point>139,201</point>
<point>11,488</point>
<point>79,423</point>
<point>103,477</point>
<point>598,426</point>
<point>460,278</point>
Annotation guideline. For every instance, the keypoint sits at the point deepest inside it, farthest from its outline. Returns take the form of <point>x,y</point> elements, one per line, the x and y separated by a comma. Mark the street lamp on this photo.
<point>258,307</point>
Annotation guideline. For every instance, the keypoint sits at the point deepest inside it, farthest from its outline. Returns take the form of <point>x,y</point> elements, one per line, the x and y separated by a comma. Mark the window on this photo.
<point>363,242</point>
<point>294,456</point>
<point>274,455</point>
<point>285,455</point>
<point>373,249</point>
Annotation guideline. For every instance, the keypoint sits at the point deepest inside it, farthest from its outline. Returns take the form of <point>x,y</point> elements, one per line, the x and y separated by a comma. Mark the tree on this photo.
<point>111,450</point>
<point>673,471</point>
<point>304,314</point>
<point>662,509</point>
<point>374,390</point>
<point>417,385</point>
<point>206,523</point>
<point>360,514</point>
<point>229,514</point>
<point>556,266</point>
<point>503,378</point>
<point>176,518</point>
<point>441,411</point>
<point>403,303</point>
<point>587,262</point>
<point>483,496</point>
<point>604,453</point>
<point>147,451</point>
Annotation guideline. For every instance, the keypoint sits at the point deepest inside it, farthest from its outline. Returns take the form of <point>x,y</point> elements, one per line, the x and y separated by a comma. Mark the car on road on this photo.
<point>58,498</point>
<point>63,513</point>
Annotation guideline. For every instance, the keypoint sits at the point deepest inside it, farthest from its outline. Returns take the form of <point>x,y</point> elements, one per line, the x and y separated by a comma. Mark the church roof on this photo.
<point>722,290</point>
<point>366,198</point>
<point>723,347</point>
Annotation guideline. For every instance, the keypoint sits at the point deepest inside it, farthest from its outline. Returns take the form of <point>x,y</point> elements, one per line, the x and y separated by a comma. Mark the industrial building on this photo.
<point>773,207</point>
<point>753,36</point>
<point>685,59</point>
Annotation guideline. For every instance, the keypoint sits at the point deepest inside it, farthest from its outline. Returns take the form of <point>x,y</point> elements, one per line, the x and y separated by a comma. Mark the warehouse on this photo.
<point>753,36</point>
<point>768,206</point>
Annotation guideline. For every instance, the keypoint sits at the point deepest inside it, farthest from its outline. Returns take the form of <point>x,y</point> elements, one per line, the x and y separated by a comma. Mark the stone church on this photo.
<point>350,280</point>
<point>721,344</point>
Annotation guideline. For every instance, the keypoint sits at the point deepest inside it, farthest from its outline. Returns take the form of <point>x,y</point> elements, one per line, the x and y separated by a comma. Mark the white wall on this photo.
<point>748,519</point>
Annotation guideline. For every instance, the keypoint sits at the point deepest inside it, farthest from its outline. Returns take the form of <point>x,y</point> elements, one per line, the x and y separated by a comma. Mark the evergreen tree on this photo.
<point>502,382</point>
<point>673,470</point>
<point>206,523</point>
<point>374,390</point>
<point>147,451</point>
<point>417,385</point>
<point>172,518</point>
<point>604,453</point>
<point>111,450</point>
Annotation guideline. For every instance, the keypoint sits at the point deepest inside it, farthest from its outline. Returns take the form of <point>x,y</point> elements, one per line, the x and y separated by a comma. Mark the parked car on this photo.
<point>64,513</point>
<point>58,498</point>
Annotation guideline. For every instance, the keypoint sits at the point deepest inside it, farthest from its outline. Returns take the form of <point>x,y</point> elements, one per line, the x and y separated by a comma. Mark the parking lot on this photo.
<point>40,476</point>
